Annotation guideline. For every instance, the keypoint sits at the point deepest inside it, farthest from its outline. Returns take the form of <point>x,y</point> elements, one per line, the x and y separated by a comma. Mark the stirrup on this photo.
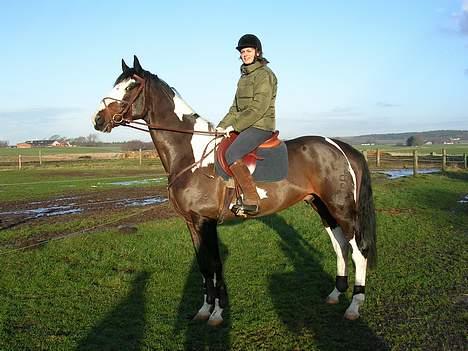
<point>242,210</point>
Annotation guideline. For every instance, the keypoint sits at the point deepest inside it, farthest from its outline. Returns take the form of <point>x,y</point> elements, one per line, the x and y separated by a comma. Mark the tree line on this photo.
<point>93,140</point>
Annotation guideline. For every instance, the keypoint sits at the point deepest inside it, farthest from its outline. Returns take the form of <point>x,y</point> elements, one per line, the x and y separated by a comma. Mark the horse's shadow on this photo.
<point>299,297</point>
<point>123,328</point>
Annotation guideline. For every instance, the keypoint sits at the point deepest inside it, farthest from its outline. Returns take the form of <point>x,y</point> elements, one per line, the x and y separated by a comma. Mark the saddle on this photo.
<point>251,158</point>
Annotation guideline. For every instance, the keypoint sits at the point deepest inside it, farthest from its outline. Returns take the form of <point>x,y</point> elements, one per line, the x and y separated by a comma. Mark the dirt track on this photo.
<point>146,203</point>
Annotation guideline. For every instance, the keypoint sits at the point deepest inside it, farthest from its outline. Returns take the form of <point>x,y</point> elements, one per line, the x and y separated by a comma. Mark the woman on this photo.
<point>252,115</point>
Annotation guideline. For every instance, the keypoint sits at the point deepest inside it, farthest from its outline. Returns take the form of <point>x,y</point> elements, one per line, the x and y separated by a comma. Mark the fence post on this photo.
<point>19,162</point>
<point>377,158</point>
<point>415,162</point>
<point>140,157</point>
<point>465,160</point>
<point>364,152</point>
<point>444,159</point>
<point>40,158</point>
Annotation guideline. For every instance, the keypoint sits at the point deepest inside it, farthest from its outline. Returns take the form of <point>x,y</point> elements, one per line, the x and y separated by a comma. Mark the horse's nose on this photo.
<point>98,121</point>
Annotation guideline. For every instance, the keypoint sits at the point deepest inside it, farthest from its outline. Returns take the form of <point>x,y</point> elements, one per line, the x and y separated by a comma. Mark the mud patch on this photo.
<point>406,172</point>
<point>84,204</point>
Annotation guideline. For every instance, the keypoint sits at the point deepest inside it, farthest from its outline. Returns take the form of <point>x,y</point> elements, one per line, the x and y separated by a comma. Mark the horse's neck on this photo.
<point>179,150</point>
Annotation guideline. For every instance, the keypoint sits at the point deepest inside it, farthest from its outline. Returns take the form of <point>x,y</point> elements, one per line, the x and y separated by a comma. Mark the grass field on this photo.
<point>105,290</point>
<point>57,150</point>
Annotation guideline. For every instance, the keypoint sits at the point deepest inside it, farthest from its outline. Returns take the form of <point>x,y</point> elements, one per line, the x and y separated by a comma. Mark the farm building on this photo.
<point>43,143</point>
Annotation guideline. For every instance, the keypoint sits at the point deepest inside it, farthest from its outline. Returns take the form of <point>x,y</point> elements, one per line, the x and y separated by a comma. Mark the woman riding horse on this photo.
<point>252,115</point>
<point>328,174</point>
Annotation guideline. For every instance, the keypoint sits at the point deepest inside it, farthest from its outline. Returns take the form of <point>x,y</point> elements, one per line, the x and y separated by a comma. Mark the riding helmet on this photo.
<point>249,41</point>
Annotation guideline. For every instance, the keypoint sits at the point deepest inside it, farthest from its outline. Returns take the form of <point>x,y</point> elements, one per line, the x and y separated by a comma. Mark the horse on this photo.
<point>328,174</point>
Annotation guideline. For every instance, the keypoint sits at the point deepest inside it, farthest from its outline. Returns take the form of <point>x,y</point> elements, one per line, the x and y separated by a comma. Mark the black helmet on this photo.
<point>249,41</point>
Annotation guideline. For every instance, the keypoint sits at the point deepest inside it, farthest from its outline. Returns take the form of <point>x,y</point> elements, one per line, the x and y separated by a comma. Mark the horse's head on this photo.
<point>125,102</point>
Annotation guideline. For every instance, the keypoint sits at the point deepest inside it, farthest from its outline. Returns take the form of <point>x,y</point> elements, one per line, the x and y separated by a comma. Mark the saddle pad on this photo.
<point>272,167</point>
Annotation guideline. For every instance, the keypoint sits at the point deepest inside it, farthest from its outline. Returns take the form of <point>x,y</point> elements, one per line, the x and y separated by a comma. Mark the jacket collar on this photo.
<point>247,69</point>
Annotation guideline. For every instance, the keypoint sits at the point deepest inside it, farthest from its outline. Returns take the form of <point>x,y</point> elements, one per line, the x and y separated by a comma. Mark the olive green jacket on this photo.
<point>254,103</point>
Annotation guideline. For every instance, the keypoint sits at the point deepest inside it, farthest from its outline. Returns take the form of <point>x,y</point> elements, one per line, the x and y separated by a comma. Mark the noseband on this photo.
<point>119,117</point>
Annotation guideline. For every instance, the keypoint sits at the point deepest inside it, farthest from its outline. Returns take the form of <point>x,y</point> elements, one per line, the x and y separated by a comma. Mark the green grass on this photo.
<point>110,291</point>
<point>57,150</point>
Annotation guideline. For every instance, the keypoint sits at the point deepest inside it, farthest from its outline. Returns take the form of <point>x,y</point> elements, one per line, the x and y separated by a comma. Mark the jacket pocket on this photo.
<point>245,89</point>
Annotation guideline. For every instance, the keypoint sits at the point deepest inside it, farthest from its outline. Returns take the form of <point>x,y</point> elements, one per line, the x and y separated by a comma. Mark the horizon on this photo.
<point>338,137</point>
<point>344,70</point>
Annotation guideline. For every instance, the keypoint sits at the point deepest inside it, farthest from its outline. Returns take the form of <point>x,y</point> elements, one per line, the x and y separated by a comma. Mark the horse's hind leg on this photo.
<point>341,246</point>
<point>205,241</point>
<point>360,263</point>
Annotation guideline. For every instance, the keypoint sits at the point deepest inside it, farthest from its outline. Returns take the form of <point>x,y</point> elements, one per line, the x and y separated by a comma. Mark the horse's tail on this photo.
<point>366,241</point>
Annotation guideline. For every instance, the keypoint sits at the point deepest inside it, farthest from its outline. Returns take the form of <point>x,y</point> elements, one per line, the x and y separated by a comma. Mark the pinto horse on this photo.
<point>326,173</point>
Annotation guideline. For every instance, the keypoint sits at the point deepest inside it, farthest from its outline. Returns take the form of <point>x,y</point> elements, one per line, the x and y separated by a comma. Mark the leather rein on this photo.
<point>120,119</point>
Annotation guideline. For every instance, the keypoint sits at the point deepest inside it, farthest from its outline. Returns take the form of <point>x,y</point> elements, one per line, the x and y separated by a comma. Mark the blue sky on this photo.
<point>344,67</point>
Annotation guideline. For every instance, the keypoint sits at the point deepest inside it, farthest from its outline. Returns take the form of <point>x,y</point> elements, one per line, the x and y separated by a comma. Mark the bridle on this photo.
<point>119,119</point>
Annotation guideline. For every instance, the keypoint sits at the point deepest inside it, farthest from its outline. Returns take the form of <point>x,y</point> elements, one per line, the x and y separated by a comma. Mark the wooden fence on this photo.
<point>377,159</point>
<point>38,160</point>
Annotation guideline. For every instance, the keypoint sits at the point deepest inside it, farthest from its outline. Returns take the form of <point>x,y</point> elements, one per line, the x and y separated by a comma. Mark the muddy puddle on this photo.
<point>74,205</point>
<point>406,172</point>
<point>463,200</point>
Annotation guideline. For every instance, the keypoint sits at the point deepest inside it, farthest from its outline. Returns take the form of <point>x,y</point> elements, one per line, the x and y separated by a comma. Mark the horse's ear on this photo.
<point>136,64</point>
<point>124,66</point>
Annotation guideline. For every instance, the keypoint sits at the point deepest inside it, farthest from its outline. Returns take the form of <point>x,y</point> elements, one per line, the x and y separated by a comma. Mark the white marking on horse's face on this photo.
<point>262,193</point>
<point>340,245</point>
<point>350,169</point>
<point>117,92</point>
<point>199,144</point>
<point>181,108</point>
<point>360,262</point>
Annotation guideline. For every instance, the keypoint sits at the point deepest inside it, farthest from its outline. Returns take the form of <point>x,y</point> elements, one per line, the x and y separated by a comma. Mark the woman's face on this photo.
<point>248,55</point>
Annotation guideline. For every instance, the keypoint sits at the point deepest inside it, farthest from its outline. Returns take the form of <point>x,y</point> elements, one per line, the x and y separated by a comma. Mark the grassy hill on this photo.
<point>434,136</point>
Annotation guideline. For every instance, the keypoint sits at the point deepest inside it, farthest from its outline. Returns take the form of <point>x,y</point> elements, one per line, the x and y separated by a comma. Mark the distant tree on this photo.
<point>55,137</point>
<point>79,141</point>
<point>4,143</point>
<point>134,145</point>
<point>414,140</point>
<point>92,139</point>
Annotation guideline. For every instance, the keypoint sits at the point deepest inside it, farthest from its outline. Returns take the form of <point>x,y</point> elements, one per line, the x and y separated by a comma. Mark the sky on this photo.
<point>344,68</point>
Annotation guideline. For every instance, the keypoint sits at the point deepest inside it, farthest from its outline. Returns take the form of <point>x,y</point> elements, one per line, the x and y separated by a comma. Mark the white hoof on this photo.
<point>334,297</point>
<point>352,312</point>
<point>201,316</point>
<point>216,317</point>
<point>215,322</point>
<point>204,312</point>
<point>351,315</point>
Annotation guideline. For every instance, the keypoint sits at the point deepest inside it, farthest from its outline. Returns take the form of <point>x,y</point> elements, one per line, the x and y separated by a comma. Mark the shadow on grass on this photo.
<point>197,334</point>
<point>123,328</point>
<point>299,297</point>
<point>457,175</point>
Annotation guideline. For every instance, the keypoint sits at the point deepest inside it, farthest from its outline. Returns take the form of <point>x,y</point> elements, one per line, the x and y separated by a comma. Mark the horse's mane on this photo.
<point>145,75</point>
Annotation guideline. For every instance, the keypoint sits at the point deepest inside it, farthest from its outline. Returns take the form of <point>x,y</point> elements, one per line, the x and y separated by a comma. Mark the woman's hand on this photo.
<point>225,131</point>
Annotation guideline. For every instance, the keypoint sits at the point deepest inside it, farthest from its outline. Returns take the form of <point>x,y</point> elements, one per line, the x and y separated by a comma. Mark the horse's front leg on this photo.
<point>205,241</point>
